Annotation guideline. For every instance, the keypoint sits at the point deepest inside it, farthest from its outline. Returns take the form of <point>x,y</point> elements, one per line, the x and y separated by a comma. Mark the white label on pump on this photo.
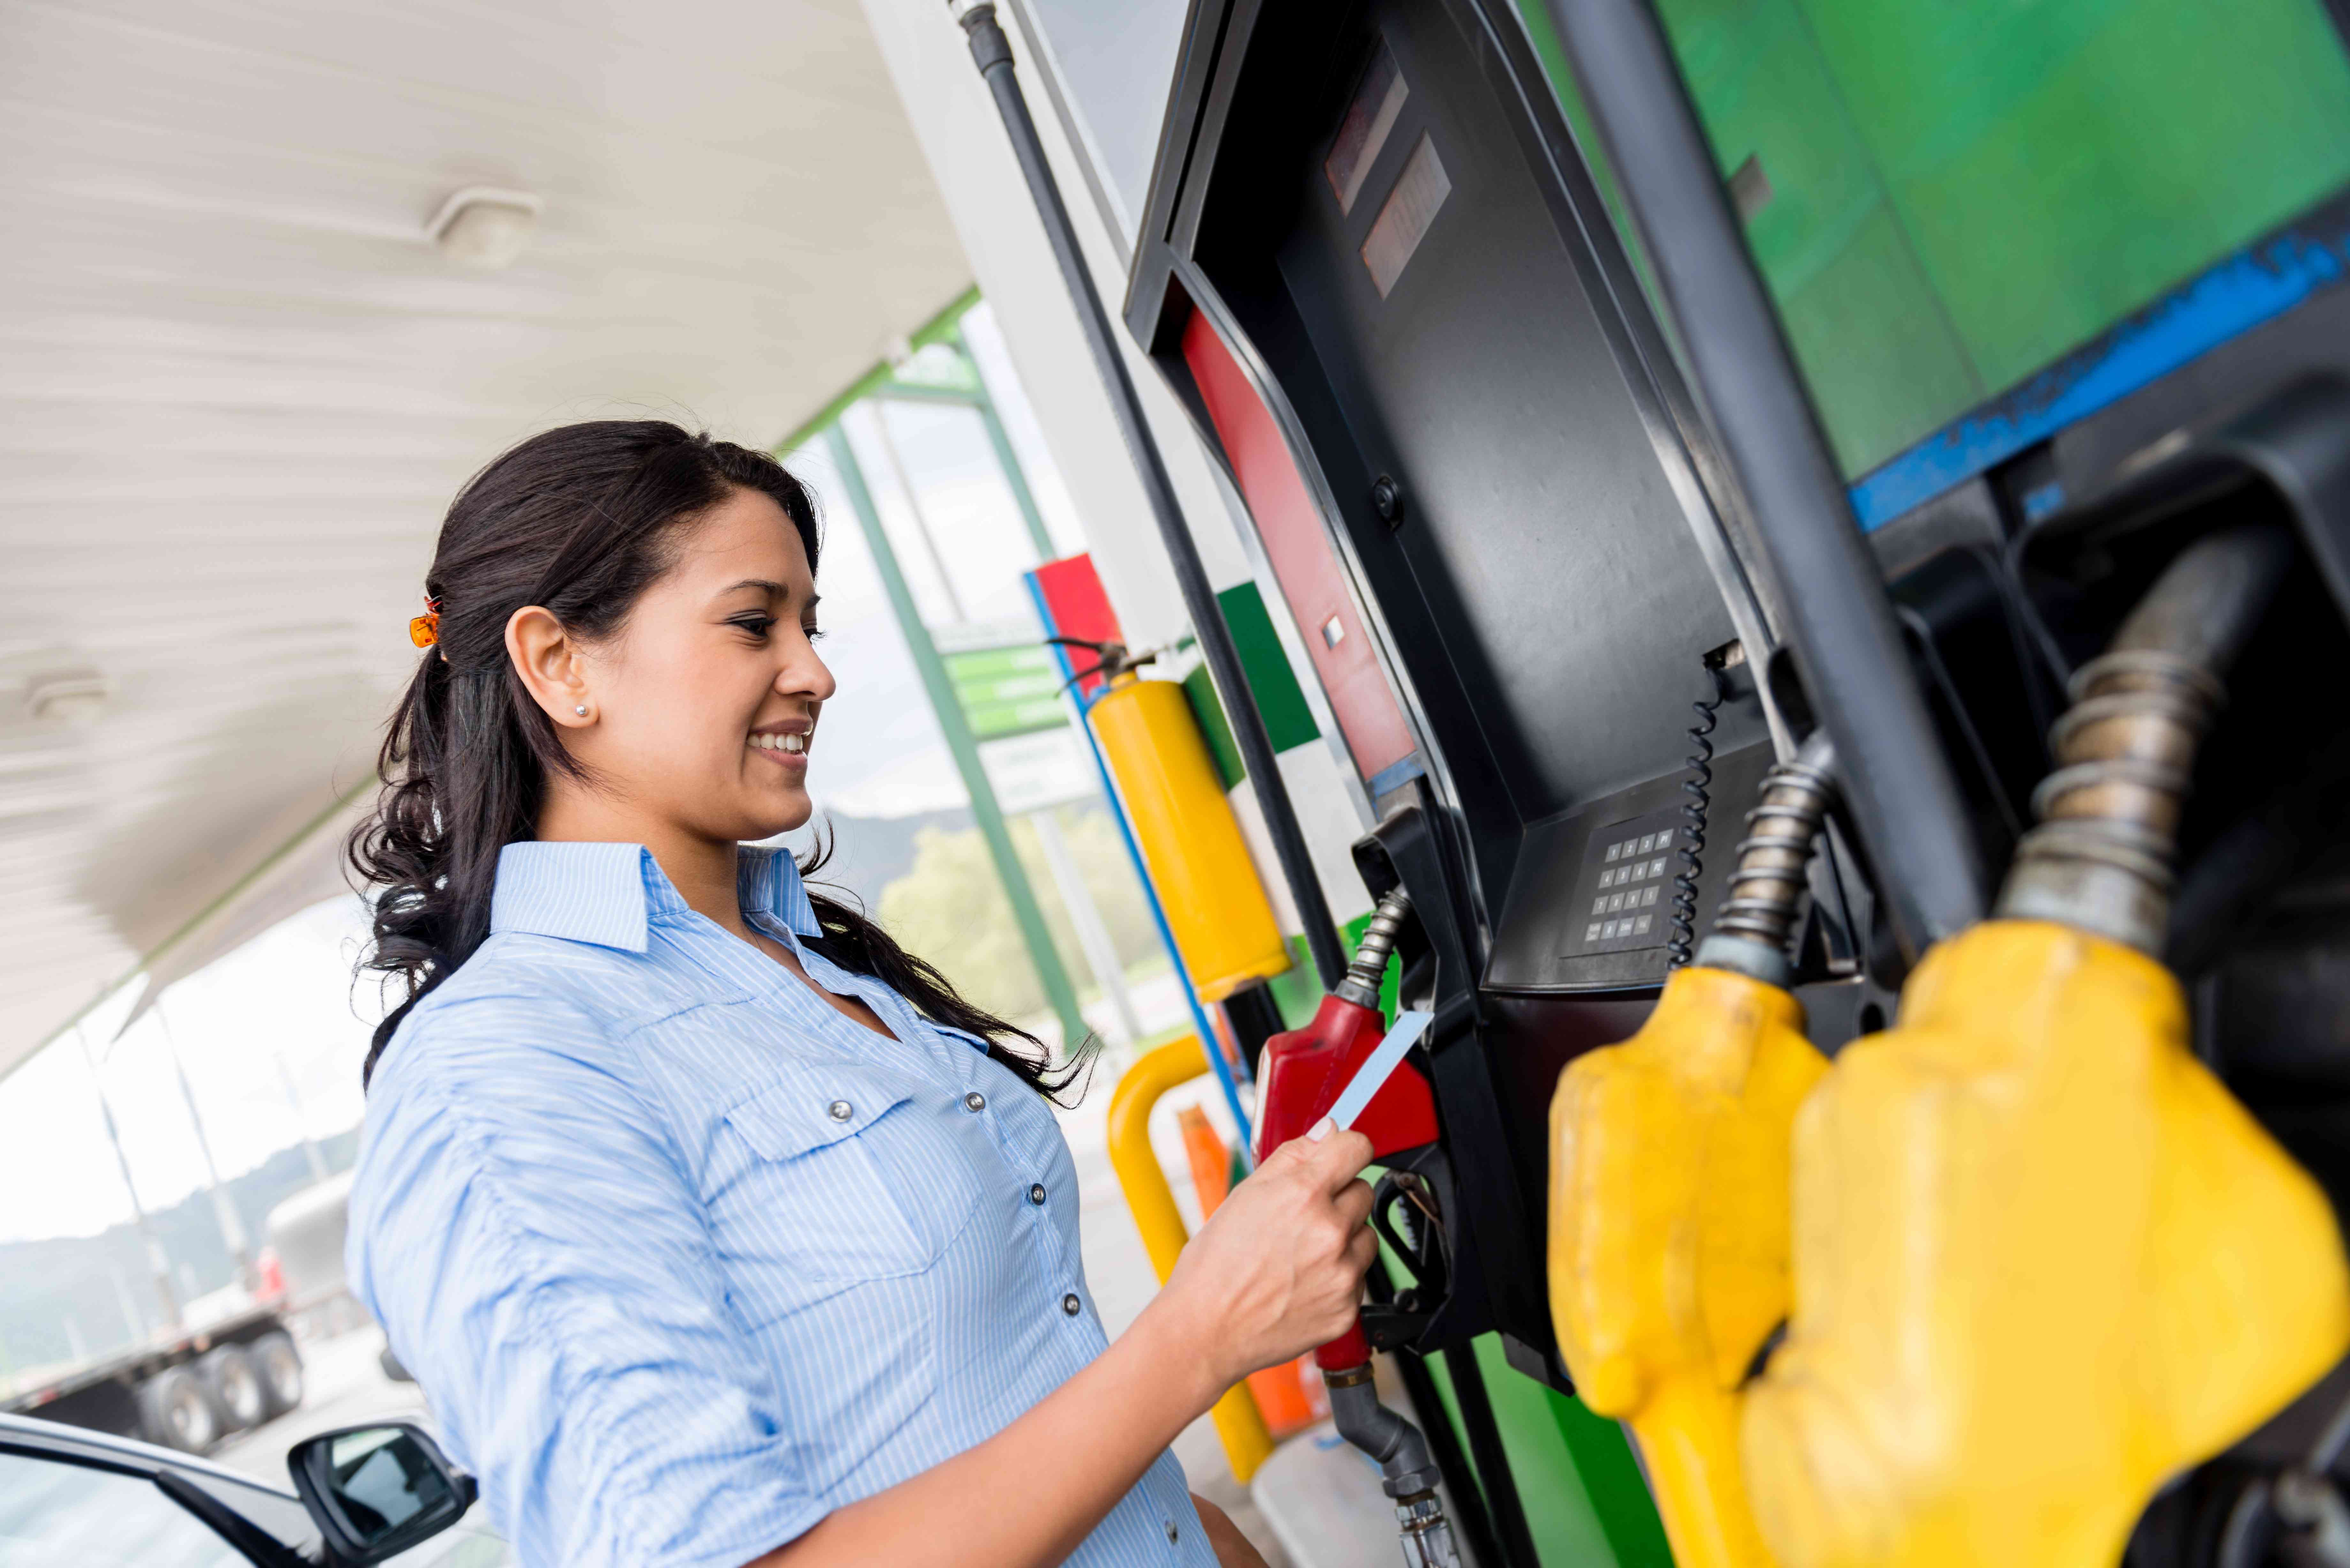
<point>1408,1028</point>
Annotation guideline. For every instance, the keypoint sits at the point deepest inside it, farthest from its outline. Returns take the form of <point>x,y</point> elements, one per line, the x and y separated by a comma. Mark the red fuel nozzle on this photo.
<point>1305,1071</point>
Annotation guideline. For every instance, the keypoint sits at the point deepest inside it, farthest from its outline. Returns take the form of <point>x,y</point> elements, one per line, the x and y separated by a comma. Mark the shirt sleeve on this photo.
<point>533,1247</point>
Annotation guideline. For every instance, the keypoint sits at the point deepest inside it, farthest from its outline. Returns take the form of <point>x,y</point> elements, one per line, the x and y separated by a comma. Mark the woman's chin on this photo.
<point>750,810</point>
<point>783,811</point>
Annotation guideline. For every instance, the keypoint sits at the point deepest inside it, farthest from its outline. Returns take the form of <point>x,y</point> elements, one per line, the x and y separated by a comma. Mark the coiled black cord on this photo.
<point>1681,946</point>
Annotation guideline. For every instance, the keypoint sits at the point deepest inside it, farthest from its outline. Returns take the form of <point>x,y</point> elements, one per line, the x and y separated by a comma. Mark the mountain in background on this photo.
<point>868,852</point>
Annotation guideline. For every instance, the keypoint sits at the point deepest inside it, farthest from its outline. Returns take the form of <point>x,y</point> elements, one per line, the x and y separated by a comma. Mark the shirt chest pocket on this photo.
<point>840,1173</point>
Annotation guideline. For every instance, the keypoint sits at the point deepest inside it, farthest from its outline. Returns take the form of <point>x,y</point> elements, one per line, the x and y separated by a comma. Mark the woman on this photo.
<point>719,1228</point>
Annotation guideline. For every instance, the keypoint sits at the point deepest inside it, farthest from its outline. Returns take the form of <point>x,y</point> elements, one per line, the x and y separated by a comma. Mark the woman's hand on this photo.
<point>1278,1269</point>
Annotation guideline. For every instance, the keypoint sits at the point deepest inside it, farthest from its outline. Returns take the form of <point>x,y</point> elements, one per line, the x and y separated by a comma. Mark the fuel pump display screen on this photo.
<point>1624,897</point>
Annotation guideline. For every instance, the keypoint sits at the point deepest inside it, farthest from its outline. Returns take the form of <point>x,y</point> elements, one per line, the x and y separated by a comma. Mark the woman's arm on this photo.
<point>1275,1272</point>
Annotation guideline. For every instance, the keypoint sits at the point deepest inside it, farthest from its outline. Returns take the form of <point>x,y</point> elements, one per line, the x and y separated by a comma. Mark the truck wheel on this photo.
<point>229,1378</point>
<point>280,1366</point>
<point>174,1411</point>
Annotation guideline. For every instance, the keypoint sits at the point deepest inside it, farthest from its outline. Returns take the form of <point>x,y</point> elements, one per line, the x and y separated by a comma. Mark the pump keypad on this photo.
<point>1624,896</point>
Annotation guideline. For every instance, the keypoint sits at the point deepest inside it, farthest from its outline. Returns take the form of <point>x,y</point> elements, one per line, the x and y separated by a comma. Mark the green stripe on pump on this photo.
<point>1287,719</point>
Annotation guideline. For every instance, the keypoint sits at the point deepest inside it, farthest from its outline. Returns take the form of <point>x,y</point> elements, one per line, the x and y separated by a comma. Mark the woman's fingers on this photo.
<point>1280,1266</point>
<point>1332,1153</point>
<point>1337,1159</point>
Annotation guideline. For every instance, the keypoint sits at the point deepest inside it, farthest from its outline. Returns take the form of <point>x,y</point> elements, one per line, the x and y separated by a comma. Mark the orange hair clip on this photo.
<point>424,631</point>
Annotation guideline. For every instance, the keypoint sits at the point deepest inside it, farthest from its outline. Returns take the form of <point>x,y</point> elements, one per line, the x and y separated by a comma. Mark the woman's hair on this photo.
<point>581,520</point>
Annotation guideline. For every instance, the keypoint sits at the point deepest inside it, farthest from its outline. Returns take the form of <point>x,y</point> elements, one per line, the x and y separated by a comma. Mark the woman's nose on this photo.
<point>805,674</point>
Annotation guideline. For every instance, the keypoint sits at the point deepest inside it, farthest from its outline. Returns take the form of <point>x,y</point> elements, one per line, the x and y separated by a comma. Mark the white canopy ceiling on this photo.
<point>237,385</point>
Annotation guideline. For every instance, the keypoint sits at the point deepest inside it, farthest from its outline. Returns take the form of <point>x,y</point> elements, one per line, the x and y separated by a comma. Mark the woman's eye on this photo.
<point>812,632</point>
<point>756,625</point>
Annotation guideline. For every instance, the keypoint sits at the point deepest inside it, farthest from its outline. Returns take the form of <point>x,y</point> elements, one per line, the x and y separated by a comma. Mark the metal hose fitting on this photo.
<point>1427,1533</point>
<point>2101,857</point>
<point>1408,1473</point>
<point>1361,984</point>
<point>1751,929</point>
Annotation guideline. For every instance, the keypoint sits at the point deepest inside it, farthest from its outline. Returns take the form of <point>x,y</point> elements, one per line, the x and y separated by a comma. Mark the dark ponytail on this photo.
<point>580,520</point>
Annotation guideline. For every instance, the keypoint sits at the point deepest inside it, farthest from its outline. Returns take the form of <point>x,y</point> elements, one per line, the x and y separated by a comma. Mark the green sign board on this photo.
<point>1007,690</point>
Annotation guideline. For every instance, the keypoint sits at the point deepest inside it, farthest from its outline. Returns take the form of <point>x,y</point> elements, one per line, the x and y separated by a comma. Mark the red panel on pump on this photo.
<point>1080,608</point>
<point>1290,524</point>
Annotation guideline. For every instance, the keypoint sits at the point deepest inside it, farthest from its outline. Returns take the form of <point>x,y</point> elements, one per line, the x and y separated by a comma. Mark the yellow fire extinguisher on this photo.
<point>1222,922</point>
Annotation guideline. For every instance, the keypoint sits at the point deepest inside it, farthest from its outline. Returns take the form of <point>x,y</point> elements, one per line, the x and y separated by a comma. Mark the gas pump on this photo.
<point>1515,517</point>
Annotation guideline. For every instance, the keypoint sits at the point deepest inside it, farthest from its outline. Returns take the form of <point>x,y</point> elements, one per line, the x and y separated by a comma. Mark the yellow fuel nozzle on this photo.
<point>2042,1260</point>
<point>1669,1223</point>
<point>1669,1235</point>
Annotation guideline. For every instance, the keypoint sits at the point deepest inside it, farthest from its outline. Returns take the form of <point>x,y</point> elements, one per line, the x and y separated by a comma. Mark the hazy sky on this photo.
<point>286,995</point>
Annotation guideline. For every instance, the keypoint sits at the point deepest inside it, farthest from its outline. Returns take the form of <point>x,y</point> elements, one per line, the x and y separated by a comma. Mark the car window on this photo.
<point>58,1515</point>
<point>278,1513</point>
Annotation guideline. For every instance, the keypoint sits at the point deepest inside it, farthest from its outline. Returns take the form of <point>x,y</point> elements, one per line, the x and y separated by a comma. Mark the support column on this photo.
<point>905,483</point>
<point>1093,934</point>
<point>224,1214</point>
<point>961,745</point>
<point>158,1262</point>
<point>1015,478</point>
<point>310,1149</point>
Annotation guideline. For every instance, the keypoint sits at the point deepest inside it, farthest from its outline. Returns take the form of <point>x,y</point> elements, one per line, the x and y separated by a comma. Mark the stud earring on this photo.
<point>581,710</point>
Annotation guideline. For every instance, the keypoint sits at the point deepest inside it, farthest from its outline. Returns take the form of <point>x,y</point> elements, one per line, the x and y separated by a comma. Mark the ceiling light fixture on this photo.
<point>483,226</point>
<point>67,696</point>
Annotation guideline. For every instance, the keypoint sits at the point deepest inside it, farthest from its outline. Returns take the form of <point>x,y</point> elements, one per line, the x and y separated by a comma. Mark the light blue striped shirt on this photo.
<point>685,1259</point>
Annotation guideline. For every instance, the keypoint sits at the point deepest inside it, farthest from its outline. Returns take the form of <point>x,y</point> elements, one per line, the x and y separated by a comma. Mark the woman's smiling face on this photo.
<point>705,702</point>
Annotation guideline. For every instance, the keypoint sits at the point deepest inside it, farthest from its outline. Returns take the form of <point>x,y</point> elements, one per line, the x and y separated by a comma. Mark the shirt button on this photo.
<point>1037,1194</point>
<point>975,1101</point>
<point>1172,1533</point>
<point>840,1110</point>
<point>1071,1305</point>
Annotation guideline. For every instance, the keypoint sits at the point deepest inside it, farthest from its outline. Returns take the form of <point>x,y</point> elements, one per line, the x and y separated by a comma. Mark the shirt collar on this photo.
<point>609,894</point>
<point>767,882</point>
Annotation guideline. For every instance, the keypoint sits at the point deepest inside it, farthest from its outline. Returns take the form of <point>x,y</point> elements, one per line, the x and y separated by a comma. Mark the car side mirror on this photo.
<point>375,1491</point>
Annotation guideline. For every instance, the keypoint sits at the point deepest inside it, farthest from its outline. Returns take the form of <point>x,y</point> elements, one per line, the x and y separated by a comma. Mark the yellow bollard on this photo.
<point>1669,1235</point>
<point>1247,1442</point>
<point>2043,1262</point>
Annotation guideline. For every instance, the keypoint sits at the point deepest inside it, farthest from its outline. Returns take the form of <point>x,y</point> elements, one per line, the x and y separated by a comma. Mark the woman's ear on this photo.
<point>551,664</point>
